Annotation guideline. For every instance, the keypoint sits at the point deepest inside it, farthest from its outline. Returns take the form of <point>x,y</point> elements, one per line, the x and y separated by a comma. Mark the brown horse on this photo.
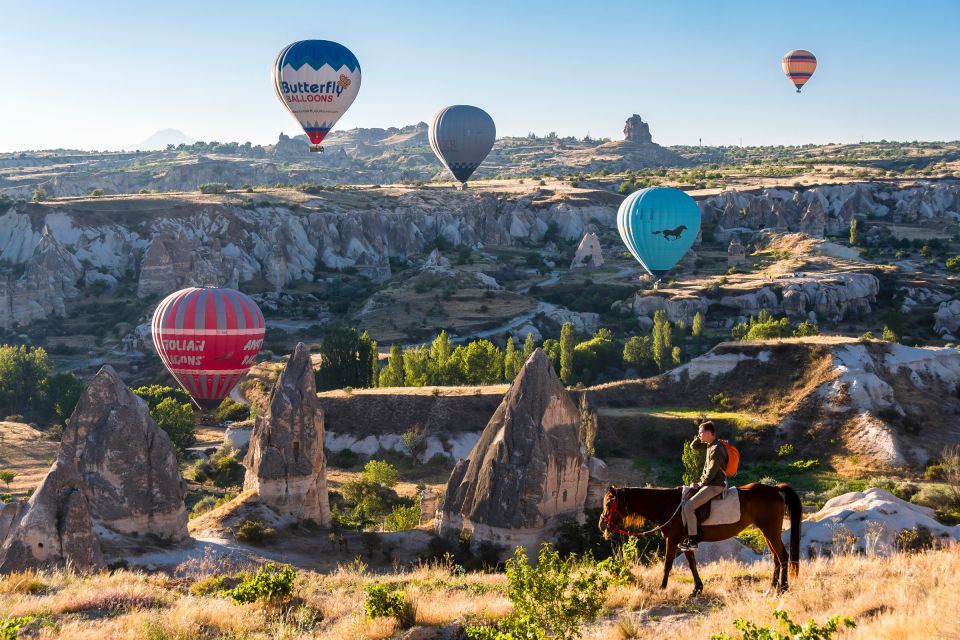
<point>760,505</point>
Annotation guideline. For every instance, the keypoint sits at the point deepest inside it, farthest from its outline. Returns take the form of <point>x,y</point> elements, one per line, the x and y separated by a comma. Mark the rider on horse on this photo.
<point>713,480</point>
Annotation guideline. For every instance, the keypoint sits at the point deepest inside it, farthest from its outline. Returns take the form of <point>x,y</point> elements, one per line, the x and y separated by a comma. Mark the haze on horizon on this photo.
<point>109,74</point>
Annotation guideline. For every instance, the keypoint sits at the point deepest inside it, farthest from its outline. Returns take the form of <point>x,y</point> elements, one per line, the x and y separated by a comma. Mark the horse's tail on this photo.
<point>796,513</point>
<point>658,233</point>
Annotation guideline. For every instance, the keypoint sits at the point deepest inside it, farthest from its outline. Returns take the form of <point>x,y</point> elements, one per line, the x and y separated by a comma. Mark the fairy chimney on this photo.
<point>285,461</point>
<point>530,469</point>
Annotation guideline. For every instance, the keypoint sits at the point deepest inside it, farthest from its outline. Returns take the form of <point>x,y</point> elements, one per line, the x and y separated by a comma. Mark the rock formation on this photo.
<point>115,478</point>
<point>736,254</point>
<point>53,529</point>
<point>285,460</point>
<point>588,253</point>
<point>127,463</point>
<point>529,470</point>
<point>636,130</point>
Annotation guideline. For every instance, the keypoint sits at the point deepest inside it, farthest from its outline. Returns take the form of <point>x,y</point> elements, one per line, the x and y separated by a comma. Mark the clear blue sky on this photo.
<point>101,74</point>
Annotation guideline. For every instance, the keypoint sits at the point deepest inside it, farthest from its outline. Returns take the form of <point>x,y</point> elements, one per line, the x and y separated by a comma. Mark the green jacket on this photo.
<point>715,463</point>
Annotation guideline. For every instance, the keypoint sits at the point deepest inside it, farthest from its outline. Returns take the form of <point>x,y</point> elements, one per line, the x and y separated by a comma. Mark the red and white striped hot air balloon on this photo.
<point>799,65</point>
<point>208,338</point>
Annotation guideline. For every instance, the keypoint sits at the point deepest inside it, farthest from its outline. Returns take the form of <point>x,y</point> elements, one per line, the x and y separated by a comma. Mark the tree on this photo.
<point>566,353</point>
<point>637,352</point>
<point>442,369</point>
<point>662,339</point>
<point>416,361</point>
<point>675,356</point>
<point>480,362</point>
<point>595,355</point>
<point>953,264</point>
<point>154,394</point>
<point>344,359</point>
<point>63,391</point>
<point>176,420</point>
<point>380,472</point>
<point>853,231</point>
<point>23,375</point>
<point>698,325</point>
<point>511,361</point>
<point>7,477</point>
<point>39,195</point>
<point>693,460</point>
<point>367,361</point>
<point>529,346</point>
<point>392,374</point>
<point>806,328</point>
<point>551,347</point>
<point>889,335</point>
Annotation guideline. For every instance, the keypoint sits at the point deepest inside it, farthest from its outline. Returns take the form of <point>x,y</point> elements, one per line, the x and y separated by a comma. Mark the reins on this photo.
<point>612,508</point>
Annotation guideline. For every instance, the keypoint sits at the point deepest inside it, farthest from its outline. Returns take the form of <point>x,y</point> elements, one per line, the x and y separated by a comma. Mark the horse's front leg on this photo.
<point>697,582</point>
<point>668,557</point>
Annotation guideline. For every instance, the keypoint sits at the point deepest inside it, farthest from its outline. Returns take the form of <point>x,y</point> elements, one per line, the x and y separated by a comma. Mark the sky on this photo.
<point>103,74</point>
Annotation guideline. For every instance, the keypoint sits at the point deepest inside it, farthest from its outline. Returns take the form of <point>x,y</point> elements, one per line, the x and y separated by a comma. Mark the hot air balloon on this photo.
<point>799,65</point>
<point>462,136</point>
<point>317,81</point>
<point>658,225</point>
<point>207,338</point>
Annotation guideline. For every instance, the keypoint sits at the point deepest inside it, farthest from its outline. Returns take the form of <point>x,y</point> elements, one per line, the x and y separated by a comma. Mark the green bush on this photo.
<point>552,599</point>
<point>255,532</point>
<point>381,603</point>
<point>10,628</point>
<point>809,631</point>
<point>936,497</point>
<point>214,187</point>
<point>231,411</point>
<point>914,540</point>
<point>402,518</point>
<point>753,538</point>
<point>380,472</point>
<point>693,461</point>
<point>785,450</point>
<point>209,585</point>
<point>270,584</point>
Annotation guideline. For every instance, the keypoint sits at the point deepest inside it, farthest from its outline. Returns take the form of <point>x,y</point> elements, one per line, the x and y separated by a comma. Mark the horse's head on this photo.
<point>615,518</point>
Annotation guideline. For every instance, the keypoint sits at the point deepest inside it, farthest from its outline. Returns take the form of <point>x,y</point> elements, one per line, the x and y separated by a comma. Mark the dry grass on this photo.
<point>907,596</point>
<point>27,452</point>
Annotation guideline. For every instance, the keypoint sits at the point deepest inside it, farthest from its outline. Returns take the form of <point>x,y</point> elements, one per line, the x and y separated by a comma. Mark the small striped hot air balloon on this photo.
<point>799,65</point>
<point>208,338</point>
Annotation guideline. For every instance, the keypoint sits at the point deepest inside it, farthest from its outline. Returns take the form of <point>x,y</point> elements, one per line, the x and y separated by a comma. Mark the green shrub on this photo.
<point>255,532</point>
<point>270,584</point>
<point>552,599</point>
<point>804,465</point>
<point>402,518</point>
<point>381,603</point>
<point>809,631</point>
<point>936,497</point>
<point>934,472</point>
<point>753,538</point>
<point>231,411</point>
<point>209,585</point>
<point>785,450</point>
<point>214,187</point>
<point>914,540</point>
<point>10,628</point>
<point>380,472</point>
<point>693,460</point>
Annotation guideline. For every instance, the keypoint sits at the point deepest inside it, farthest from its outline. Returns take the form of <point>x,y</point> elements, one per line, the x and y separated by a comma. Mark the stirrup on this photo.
<point>690,544</point>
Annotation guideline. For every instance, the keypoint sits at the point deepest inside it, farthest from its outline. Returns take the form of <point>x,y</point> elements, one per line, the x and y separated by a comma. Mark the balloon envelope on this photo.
<point>317,81</point>
<point>799,65</point>
<point>462,136</point>
<point>658,225</point>
<point>208,338</point>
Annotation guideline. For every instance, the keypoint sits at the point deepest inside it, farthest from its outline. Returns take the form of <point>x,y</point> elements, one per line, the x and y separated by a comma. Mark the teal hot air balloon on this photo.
<point>658,225</point>
<point>462,136</point>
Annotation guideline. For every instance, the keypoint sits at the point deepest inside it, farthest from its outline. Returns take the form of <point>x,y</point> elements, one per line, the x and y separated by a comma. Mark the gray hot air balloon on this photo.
<point>462,136</point>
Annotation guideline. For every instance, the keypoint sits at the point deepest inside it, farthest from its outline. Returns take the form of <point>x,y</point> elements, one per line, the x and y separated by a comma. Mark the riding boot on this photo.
<point>690,544</point>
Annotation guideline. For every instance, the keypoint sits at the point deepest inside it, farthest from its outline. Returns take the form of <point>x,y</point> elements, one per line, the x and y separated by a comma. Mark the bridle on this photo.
<point>613,507</point>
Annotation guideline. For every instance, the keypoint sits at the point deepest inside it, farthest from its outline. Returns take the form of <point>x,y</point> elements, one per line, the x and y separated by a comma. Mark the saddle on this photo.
<point>726,510</point>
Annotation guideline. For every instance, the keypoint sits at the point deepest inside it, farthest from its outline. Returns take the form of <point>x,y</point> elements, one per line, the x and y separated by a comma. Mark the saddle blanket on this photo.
<point>724,509</point>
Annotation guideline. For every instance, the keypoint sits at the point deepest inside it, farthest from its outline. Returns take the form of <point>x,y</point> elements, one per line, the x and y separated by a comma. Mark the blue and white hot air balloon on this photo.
<point>658,225</point>
<point>462,136</point>
<point>317,81</point>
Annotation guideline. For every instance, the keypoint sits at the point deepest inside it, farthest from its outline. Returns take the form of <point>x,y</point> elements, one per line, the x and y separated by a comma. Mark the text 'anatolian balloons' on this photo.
<point>208,338</point>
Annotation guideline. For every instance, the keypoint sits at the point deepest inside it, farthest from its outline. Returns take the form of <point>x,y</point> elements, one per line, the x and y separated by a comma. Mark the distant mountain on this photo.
<point>160,140</point>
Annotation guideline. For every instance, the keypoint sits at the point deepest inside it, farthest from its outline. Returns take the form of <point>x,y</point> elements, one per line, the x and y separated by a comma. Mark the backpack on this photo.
<point>733,459</point>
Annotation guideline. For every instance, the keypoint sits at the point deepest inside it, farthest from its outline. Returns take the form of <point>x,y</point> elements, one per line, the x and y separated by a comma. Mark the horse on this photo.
<point>675,232</point>
<point>761,505</point>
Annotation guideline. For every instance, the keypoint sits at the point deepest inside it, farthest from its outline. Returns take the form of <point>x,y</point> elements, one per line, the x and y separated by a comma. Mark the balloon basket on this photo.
<point>316,148</point>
